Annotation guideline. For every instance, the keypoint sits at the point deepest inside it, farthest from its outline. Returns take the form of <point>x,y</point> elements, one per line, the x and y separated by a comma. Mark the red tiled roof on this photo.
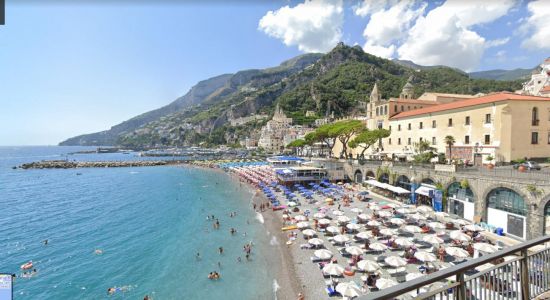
<point>496,97</point>
<point>546,88</point>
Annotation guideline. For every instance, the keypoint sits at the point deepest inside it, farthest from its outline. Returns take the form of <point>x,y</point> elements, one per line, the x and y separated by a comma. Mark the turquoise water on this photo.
<point>149,223</point>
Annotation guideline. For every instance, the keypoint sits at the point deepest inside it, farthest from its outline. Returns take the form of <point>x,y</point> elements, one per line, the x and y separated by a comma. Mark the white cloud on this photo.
<point>537,25</point>
<point>313,26</point>
<point>497,42</point>
<point>385,52</point>
<point>445,35</point>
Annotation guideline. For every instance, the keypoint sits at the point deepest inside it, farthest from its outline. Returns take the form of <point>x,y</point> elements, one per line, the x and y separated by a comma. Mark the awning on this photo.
<point>397,189</point>
<point>424,190</point>
<point>375,183</point>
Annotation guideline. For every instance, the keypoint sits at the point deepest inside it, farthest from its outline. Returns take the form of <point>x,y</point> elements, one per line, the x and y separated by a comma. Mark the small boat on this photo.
<point>27,266</point>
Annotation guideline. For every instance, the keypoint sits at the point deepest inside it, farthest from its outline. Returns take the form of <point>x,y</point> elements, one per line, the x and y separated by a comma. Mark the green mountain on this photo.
<point>523,74</point>
<point>336,82</point>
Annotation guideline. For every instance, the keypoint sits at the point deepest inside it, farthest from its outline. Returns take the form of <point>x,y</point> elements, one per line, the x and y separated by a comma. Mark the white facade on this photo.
<point>536,86</point>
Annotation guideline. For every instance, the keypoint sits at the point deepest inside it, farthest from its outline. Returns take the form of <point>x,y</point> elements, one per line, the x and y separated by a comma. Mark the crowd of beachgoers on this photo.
<point>347,241</point>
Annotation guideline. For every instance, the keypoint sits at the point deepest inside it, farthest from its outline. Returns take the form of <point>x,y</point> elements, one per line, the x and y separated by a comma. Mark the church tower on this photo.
<point>408,90</point>
<point>375,95</point>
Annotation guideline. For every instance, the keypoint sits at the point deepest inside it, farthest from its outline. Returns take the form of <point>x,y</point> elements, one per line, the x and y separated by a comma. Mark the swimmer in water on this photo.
<point>198,256</point>
<point>45,242</point>
<point>98,252</point>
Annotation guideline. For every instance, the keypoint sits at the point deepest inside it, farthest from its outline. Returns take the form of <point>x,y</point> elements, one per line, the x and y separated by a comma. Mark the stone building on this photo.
<point>279,132</point>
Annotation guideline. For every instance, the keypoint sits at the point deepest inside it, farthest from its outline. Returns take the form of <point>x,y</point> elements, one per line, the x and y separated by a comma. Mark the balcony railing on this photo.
<point>535,122</point>
<point>524,276</point>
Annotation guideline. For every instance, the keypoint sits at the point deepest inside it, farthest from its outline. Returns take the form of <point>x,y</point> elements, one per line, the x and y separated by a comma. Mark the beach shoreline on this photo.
<point>287,282</point>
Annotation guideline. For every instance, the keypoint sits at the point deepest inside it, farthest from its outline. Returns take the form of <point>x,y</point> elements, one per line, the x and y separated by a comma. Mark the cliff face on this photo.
<point>336,81</point>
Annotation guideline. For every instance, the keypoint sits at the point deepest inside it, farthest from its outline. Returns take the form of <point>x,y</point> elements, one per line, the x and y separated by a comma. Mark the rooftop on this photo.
<point>491,98</point>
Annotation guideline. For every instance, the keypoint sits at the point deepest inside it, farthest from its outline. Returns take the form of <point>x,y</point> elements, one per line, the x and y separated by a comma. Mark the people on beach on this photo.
<point>301,296</point>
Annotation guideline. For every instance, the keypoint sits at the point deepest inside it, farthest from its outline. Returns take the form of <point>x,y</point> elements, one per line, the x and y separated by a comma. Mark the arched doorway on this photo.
<point>358,176</point>
<point>370,175</point>
<point>384,178</point>
<point>507,209</point>
<point>428,180</point>
<point>404,182</point>
<point>460,199</point>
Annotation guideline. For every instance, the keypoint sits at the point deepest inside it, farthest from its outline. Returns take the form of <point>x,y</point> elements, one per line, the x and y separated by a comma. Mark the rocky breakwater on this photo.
<point>63,164</point>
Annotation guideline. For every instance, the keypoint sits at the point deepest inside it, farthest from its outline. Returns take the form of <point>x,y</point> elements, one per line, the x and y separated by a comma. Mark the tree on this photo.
<point>450,141</point>
<point>297,145</point>
<point>345,131</point>
<point>424,152</point>
<point>366,138</point>
<point>327,134</point>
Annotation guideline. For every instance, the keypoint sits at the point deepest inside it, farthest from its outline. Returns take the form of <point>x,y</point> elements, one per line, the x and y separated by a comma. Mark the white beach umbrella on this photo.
<point>473,227</point>
<point>432,239</point>
<point>459,236</point>
<point>302,224</point>
<point>363,217</point>
<point>436,225</point>
<point>356,210</point>
<point>364,235</point>
<point>323,221</point>
<point>319,215</point>
<point>424,209</point>
<point>424,256</point>
<point>397,221</point>
<point>385,214</point>
<point>384,283</point>
<point>353,226</point>
<point>378,246</point>
<point>457,252</point>
<point>412,229</point>
<point>441,214</point>
<point>412,276</point>
<point>374,223</point>
<point>309,232</point>
<point>343,219</point>
<point>405,210</point>
<point>485,247</point>
<point>292,203</point>
<point>338,213</point>
<point>300,218</point>
<point>387,232</point>
<point>460,221</point>
<point>348,289</point>
<point>417,217</point>
<point>403,242</point>
<point>322,254</point>
<point>368,265</point>
<point>392,205</point>
<point>341,238</point>
<point>395,261</point>
<point>315,241</point>
<point>354,250</point>
<point>333,229</point>
<point>333,269</point>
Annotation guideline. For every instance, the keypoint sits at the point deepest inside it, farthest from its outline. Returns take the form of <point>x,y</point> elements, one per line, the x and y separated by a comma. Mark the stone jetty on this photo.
<point>64,164</point>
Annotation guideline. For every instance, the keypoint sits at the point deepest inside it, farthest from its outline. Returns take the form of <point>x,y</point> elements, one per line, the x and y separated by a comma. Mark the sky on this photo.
<point>68,69</point>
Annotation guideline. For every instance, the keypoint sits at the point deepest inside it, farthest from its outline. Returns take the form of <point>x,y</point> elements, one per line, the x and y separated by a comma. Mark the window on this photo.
<point>420,139</point>
<point>421,125</point>
<point>402,108</point>
<point>390,128</point>
<point>487,118</point>
<point>408,107</point>
<point>395,108</point>
<point>385,109</point>
<point>399,127</point>
<point>389,141</point>
<point>467,140</point>
<point>377,111</point>
<point>534,138</point>
<point>450,122</point>
<point>415,107</point>
<point>535,117</point>
<point>399,140</point>
<point>549,138</point>
<point>409,141</point>
<point>380,124</point>
<point>467,121</point>
<point>433,140</point>
<point>487,139</point>
<point>410,126</point>
<point>434,125</point>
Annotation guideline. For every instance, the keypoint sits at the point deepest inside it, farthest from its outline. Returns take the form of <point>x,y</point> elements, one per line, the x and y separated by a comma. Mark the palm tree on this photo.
<point>450,141</point>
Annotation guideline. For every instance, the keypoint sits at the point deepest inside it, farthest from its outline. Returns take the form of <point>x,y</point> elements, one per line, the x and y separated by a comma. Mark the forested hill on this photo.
<point>339,79</point>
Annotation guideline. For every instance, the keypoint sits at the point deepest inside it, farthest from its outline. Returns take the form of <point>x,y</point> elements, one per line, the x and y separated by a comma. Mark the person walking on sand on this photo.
<point>301,296</point>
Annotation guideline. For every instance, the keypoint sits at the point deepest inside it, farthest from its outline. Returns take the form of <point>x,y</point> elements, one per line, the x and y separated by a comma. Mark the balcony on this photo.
<point>515,272</point>
<point>535,122</point>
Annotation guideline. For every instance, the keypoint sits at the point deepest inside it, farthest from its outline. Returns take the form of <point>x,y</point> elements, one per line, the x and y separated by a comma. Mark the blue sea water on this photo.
<point>149,222</point>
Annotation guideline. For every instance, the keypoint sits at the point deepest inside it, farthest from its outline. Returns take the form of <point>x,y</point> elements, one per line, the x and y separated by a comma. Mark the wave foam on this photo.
<point>259,217</point>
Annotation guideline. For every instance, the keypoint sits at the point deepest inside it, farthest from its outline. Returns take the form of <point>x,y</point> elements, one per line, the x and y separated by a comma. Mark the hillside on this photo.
<point>336,81</point>
<point>523,74</point>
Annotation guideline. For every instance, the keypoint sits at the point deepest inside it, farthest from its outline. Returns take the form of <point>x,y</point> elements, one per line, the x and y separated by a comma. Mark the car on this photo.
<point>529,165</point>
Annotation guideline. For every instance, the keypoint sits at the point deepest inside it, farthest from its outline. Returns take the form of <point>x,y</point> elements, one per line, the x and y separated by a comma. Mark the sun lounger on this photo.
<point>331,292</point>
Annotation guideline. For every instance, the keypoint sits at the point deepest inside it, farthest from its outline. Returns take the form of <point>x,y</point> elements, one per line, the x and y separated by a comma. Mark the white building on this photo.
<point>539,85</point>
<point>279,132</point>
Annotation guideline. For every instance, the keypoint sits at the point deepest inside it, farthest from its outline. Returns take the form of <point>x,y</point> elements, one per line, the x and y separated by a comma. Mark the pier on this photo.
<point>64,164</point>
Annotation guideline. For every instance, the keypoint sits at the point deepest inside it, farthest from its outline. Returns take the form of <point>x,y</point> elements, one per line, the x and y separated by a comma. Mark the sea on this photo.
<point>136,229</point>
